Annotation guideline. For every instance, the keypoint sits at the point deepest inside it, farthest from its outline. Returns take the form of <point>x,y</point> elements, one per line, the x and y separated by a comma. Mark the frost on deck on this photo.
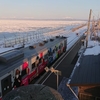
<point>33,92</point>
<point>66,92</point>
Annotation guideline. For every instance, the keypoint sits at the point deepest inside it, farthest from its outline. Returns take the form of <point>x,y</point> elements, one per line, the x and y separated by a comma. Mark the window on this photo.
<point>37,63</point>
<point>59,47</point>
<point>33,65</point>
<point>23,73</point>
<point>40,60</point>
<point>48,53</point>
<point>46,57</point>
<point>61,44</point>
<point>56,48</point>
<point>37,57</point>
<point>6,85</point>
<point>25,69</point>
<point>53,50</point>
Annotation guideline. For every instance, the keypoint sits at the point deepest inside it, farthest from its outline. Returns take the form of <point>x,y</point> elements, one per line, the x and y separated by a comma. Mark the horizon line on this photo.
<point>67,19</point>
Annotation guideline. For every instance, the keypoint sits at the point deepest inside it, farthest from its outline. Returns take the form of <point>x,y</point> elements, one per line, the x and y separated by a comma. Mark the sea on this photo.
<point>18,32</point>
<point>31,25</point>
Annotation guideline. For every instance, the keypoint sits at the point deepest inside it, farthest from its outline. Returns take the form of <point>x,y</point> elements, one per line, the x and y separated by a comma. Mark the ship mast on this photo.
<point>88,30</point>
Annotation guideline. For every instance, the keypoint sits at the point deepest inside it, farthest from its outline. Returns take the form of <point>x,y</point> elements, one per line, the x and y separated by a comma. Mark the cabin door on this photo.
<point>6,85</point>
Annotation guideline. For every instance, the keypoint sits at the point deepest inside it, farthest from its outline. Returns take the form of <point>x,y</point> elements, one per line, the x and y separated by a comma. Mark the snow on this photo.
<point>15,33</point>
<point>31,25</point>
<point>93,48</point>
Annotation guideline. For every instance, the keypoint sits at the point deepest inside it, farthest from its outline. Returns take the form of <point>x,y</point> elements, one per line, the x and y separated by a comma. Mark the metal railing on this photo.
<point>84,96</point>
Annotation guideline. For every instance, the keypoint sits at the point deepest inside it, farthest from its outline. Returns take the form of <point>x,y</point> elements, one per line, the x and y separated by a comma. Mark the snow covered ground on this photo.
<point>31,25</point>
<point>93,48</point>
<point>16,33</point>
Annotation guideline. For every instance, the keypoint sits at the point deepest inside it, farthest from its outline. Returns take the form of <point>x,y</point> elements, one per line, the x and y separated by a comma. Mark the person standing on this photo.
<point>17,80</point>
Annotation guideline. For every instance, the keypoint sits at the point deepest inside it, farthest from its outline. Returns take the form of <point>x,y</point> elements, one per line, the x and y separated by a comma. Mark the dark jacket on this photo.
<point>17,81</point>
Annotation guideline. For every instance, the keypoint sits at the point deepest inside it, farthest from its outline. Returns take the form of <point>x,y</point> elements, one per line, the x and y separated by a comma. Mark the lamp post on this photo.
<point>56,72</point>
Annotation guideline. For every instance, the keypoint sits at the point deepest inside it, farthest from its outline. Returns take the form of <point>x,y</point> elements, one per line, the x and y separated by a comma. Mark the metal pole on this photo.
<point>92,30</point>
<point>73,92</point>
<point>88,28</point>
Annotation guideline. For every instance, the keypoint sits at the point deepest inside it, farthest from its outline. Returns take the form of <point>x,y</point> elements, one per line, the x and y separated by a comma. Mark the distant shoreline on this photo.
<point>45,19</point>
